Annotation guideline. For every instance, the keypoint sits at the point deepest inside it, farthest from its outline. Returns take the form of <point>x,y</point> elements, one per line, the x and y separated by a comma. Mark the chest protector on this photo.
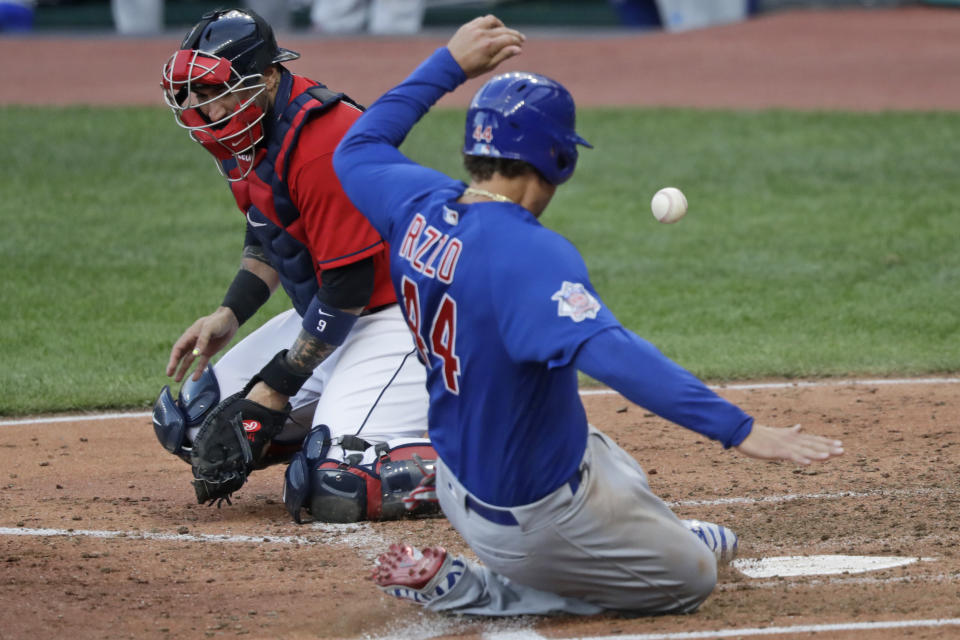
<point>264,195</point>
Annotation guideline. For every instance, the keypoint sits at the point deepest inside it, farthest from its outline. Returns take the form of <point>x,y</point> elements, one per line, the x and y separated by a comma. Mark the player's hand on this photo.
<point>483,43</point>
<point>777,443</point>
<point>203,340</point>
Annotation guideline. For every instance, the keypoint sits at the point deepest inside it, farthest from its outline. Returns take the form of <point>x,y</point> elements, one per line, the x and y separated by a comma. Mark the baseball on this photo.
<point>669,205</point>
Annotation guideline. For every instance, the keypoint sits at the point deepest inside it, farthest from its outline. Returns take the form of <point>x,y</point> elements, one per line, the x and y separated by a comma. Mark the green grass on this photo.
<point>816,244</point>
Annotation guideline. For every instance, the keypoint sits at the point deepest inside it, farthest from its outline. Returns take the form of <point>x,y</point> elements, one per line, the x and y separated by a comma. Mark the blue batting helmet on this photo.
<point>525,116</point>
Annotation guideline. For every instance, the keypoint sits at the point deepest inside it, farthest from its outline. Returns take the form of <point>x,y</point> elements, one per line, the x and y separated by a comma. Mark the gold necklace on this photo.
<point>483,193</point>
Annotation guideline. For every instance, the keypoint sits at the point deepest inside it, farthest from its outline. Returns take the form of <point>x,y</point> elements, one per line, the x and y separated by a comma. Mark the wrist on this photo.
<point>264,395</point>
<point>327,323</point>
<point>282,376</point>
<point>228,314</point>
<point>247,293</point>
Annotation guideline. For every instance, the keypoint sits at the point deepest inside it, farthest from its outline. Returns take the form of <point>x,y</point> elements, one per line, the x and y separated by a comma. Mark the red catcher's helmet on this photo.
<point>227,51</point>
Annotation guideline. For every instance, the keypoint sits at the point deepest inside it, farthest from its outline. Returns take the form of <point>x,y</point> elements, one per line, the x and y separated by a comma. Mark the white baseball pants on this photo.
<point>372,386</point>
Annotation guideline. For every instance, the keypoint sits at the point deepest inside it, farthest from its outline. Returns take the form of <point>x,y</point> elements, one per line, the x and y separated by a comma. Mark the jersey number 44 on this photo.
<point>438,345</point>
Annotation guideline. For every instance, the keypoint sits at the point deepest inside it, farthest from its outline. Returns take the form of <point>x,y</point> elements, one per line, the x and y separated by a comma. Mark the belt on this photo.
<point>504,516</point>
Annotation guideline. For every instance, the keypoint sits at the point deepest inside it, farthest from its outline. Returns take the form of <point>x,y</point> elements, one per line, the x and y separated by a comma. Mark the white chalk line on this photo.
<point>358,536</point>
<point>804,385</point>
<point>82,417</point>
<point>362,538</point>
<point>789,497</point>
<point>833,582</point>
<point>364,529</point>
<point>765,631</point>
<point>583,392</point>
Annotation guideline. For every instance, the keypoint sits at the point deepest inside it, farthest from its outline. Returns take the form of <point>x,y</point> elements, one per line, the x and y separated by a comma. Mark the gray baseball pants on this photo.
<point>603,543</point>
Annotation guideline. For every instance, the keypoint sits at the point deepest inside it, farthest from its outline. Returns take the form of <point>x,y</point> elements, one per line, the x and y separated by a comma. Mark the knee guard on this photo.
<point>172,418</point>
<point>334,491</point>
<point>400,473</point>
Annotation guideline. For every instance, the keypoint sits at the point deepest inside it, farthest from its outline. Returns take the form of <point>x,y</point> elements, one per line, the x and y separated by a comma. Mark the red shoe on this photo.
<point>417,576</point>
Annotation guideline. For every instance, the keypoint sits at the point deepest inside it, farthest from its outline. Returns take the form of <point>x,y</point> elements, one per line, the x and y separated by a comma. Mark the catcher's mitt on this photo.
<point>230,444</point>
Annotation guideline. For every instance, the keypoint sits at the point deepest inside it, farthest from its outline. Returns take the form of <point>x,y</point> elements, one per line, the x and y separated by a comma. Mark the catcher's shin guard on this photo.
<point>408,483</point>
<point>335,491</point>
<point>296,480</point>
<point>172,419</point>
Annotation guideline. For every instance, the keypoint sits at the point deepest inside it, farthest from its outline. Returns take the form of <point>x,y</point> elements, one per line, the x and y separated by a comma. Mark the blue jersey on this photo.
<point>498,304</point>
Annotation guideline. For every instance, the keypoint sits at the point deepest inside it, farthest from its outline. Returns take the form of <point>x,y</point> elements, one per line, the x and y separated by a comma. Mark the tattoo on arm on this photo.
<point>254,252</point>
<point>308,352</point>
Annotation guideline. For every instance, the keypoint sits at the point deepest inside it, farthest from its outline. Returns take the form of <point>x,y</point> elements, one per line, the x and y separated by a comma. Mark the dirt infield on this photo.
<point>894,493</point>
<point>100,536</point>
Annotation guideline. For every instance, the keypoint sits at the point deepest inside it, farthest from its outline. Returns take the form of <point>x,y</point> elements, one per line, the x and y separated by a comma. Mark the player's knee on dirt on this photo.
<point>338,495</point>
<point>173,419</point>
<point>334,491</point>
<point>697,572</point>
<point>397,479</point>
<point>352,493</point>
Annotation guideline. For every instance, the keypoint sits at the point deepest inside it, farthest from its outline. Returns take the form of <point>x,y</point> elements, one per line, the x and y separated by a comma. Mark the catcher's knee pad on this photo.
<point>173,418</point>
<point>338,493</point>
<point>400,473</point>
<point>334,491</point>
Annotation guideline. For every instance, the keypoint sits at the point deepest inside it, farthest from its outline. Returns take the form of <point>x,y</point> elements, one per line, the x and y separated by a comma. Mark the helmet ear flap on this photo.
<point>566,159</point>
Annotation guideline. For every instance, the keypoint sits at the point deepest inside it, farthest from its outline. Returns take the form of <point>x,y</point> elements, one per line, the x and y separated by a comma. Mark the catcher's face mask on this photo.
<point>197,85</point>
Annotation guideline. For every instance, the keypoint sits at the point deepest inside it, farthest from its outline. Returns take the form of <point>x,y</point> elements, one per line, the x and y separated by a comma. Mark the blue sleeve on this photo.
<point>376,177</point>
<point>546,305</point>
<point>634,367</point>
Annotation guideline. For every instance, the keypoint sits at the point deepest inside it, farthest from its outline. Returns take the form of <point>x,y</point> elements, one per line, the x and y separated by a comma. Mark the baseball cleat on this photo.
<point>719,539</point>
<point>406,573</point>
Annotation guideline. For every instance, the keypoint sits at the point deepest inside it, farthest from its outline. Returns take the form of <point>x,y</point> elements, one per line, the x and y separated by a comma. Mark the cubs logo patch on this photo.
<point>575,302</point>
<point>251,426</point>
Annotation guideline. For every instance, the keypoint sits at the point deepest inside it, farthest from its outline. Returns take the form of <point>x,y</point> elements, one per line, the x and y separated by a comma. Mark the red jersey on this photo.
<point>293,200</point>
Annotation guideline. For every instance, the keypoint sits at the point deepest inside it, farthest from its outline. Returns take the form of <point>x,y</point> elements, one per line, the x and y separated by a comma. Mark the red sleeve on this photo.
<point>336,232</point>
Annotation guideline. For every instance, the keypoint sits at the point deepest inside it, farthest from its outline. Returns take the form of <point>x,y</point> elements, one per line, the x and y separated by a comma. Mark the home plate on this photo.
<point>785,566</point>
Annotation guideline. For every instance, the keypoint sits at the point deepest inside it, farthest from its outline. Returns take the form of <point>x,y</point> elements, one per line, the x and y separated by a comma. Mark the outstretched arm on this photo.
<point>368,155</point>
<point>346,291</point>
<point>305,355</point>
<point>254,283</point>
<point>638,370</point>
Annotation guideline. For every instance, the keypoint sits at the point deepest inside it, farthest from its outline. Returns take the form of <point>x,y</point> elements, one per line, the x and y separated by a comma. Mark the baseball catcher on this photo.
<point>341,358</point>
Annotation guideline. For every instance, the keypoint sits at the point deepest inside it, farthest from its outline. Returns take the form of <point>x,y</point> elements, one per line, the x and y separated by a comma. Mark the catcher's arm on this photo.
<point>345,292</point>
<point>251,287</point>
<point>301,359</point>
<point>235,437</point>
